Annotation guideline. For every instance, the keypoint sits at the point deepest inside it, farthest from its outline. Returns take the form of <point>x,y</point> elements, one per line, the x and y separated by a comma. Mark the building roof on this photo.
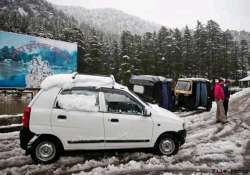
<point>245,79</point>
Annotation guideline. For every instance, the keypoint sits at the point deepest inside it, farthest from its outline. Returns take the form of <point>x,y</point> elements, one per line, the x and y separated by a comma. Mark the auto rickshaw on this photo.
<point>192,93</point>
<point>153,89</point>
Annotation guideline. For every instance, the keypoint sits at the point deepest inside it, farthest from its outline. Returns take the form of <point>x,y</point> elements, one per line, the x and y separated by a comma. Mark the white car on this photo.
<point>85,112</point>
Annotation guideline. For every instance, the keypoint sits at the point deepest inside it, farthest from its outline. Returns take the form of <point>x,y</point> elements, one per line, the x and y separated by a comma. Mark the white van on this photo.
<point>85,112</point>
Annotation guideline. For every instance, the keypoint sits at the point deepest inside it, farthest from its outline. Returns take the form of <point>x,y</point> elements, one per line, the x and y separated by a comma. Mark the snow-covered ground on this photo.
<point>209,146</point>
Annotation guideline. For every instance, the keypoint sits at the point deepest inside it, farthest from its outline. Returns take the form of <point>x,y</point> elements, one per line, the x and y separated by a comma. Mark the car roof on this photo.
<point>67,81</point>
<point>149,80</point>
<point>193,79</point>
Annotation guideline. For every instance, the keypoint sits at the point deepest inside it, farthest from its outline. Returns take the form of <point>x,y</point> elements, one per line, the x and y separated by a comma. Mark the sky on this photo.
<point>230,14</point>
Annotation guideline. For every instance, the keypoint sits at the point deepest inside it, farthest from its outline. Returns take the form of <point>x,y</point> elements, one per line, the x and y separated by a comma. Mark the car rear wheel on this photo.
<point>167,145</point>
<point>45,151</point>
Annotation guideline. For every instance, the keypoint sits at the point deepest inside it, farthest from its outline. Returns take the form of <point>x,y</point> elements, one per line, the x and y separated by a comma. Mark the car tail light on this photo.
<point>26,117</point>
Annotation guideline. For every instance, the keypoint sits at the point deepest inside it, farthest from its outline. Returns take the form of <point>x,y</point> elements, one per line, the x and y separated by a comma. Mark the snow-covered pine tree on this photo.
<point>148,54</point>
<point>116,60</point>
<point>93,56</point>
<point>214,43</point>
<point>163,48</point>
<point>201,50</point>
<point>188,52</point>
<point>137,59</point>
<point>235,62</point>
<point>244,56</point>
<point>178,65</point>
<point>228,66</point>
<point>127,52</point>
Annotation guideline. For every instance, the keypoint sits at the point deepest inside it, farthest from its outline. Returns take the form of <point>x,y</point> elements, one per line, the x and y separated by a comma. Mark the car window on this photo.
<point>121,103</point>
<point>80,100</point>
<point>183,85</point>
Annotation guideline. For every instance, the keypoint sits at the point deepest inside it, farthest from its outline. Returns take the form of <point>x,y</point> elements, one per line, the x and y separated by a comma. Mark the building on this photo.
<point>245,82</point>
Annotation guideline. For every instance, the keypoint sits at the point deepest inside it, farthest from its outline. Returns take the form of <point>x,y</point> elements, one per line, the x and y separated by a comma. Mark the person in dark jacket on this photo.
<point>226,96</point>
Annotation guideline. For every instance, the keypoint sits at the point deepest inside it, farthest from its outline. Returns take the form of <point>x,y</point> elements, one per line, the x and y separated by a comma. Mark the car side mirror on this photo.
<point>147,112</point>
<point>58,106</point>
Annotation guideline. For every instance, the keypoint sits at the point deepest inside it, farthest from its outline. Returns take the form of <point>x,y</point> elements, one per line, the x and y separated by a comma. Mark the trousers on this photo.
<point>225,104</point>
<point>220,113</point>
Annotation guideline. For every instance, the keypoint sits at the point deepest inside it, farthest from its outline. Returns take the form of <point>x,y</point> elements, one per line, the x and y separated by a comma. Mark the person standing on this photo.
<point>219,98</point>
<point>227,96</point>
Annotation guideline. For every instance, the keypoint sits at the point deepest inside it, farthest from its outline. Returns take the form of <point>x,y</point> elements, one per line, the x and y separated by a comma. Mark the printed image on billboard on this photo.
<point>26,60</point>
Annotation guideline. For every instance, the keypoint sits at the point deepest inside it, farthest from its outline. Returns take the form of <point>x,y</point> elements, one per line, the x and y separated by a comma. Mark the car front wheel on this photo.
<point>167,145</point>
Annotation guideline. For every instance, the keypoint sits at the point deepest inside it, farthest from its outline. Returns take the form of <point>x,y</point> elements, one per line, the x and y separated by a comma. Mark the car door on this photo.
<point>77,120</point>
<point>124,123</point>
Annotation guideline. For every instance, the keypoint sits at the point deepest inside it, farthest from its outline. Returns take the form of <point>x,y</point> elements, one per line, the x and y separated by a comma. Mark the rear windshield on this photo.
<point>183,85</point>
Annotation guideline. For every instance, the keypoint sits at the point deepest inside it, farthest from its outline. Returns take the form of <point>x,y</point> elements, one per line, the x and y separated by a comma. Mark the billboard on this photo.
<point>27,60</point>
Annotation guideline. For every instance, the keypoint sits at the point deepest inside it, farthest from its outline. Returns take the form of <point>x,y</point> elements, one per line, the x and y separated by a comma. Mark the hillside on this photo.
<point>37,18</point>
<point>109,20</point>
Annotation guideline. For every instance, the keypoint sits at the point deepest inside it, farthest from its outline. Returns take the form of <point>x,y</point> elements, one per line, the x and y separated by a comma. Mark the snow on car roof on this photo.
<point>150,78</point>
<point>147,79</point>
<point>67,81</point>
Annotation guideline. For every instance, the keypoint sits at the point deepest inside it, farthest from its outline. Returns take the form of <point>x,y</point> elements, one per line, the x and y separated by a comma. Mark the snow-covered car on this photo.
<point>85,112</point>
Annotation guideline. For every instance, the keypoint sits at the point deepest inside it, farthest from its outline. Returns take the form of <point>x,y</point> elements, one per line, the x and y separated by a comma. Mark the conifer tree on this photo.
<point>201,50</point>
<point>178,65</point>
<point>227,65</point>
<point>244,56</point>
<point>214,43</point>
<point>187,53</point>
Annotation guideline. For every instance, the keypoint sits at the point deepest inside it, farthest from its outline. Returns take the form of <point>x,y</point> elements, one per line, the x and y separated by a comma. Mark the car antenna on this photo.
<point>74,75</point>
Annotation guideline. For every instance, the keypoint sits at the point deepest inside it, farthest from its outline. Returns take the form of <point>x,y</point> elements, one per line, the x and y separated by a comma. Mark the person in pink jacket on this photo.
<point>219,98</point>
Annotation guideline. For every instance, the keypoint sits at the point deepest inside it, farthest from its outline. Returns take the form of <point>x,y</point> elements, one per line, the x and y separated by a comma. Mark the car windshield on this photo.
<point>183,85</point>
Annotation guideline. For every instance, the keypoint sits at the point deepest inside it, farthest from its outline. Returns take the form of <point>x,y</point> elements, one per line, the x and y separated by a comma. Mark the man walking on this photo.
<point>219,98</point>
<point>227,96</point>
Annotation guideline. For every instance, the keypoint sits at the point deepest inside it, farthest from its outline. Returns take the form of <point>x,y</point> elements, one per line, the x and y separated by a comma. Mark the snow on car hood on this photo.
<point>165,113</point>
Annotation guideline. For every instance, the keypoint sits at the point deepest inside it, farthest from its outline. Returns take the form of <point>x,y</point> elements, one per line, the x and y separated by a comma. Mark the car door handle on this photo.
<point>61,117</point>
<point>114,120</point>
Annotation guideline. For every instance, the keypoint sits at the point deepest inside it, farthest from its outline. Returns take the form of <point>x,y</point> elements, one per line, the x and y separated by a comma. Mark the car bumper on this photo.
<point>182,136</point>
<point>25,136</point>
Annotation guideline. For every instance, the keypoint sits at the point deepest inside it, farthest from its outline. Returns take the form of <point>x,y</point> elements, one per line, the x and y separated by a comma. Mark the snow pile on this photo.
<point>240,94</point>
<point>219,150</point>
<point>12,135</point>
<point>66,81</point>
<point>79,102</point>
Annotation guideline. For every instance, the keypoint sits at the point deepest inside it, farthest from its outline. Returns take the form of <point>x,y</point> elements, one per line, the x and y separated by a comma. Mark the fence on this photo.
<point>13,101</point>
